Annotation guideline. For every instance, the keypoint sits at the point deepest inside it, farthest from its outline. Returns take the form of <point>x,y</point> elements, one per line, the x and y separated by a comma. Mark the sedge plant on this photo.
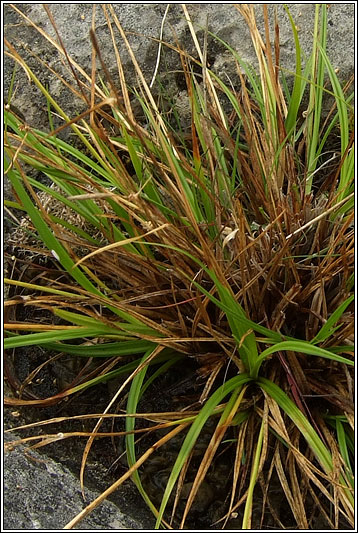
<point>229,250</point>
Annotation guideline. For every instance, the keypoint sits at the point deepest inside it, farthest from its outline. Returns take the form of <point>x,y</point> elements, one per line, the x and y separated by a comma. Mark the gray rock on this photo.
<point>143,22</point>
<point>40,493</point>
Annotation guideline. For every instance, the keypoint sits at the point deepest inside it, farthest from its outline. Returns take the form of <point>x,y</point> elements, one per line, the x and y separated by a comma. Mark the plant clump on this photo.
<point>214,266</point>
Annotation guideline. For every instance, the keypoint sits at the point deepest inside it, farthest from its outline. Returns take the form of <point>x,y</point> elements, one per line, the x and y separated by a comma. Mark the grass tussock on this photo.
<point>228,250</point>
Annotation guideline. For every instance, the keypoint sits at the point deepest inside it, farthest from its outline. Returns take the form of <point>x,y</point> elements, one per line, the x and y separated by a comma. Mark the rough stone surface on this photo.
<point>40,493</point>
<point>143,21</point>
